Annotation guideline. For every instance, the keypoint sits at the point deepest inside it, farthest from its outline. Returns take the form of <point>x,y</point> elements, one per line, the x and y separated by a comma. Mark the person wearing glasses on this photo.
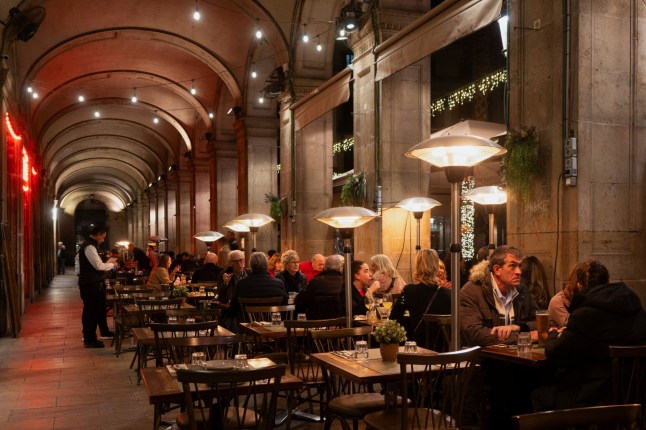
<point>291,275</point>
<point>228,279</point>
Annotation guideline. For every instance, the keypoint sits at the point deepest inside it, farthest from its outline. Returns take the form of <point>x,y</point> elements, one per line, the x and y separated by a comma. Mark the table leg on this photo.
<point>157,417</point>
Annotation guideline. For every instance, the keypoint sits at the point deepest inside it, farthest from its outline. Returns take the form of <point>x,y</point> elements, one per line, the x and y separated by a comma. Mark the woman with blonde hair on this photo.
<point>291,275</point>
<point>425,296</point>
<point>384,271</point>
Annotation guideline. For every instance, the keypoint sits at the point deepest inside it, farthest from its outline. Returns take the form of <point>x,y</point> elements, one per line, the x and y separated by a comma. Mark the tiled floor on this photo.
<point>48,380</point>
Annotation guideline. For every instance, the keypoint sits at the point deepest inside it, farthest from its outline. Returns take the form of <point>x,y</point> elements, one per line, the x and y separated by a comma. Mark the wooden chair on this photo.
<point>123,321</point>
<point>436,385</point>
<point>300,345</point>
<point>594,417</point>
<point>151,311</point>
<point>257,301</point>
<point>438,332</point>
<point>345,401</point>
<point>628,371</point>
<point>229,399</point>
<point>174,343</point>
<point>200,315</point>
<point>263,313</point>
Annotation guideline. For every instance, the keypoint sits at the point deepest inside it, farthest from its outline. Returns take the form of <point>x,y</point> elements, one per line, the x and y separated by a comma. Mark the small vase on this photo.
<point>389,351</point>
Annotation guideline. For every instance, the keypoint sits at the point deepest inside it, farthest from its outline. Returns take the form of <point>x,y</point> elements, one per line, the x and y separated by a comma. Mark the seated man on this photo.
<point>322,298</point>
<point>602,313</point>
<point>492,308</point>
<point>259,283</point>
<point>313,267</point>
<point>209,272</point>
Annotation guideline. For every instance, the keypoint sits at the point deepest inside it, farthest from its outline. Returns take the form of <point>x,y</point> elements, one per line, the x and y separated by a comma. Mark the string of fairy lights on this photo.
<point>466,94</point>
<point>467,221</point>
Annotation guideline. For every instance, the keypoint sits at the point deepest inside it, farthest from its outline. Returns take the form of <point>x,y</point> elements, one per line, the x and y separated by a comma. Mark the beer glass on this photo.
<point>542,326</point>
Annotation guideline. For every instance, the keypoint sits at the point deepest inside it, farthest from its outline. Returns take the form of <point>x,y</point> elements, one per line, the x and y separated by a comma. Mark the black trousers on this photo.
<point>61,266</point>
<point>93,310</point>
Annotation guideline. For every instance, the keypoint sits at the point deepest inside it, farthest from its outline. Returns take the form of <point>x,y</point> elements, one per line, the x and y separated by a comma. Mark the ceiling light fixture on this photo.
<point>97,114</point>
<point>261,99</point>
<point>156,120</point>
<point>196,13</point>
<point>319,47</point>
<point>134,95</point>
<point>30,89</point>
<point>193,90</point>
<point>34,95</point>
<point>258,30</point>
<point>211,115</point>
<point>306,38</point>
<point>347,20</point>
<point>81,98</point>
<point>254,74</point>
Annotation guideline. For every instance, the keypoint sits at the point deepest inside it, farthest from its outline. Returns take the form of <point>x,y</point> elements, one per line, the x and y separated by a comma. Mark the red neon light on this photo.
<point>10,128</point>
<point>25,170</point>
<point>34,172</point>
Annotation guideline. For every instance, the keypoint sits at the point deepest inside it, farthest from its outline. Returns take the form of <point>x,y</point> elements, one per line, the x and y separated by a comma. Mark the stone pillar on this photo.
<point>185,211</point>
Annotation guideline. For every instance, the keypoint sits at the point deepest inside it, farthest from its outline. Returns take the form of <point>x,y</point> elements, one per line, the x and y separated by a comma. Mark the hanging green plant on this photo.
<point>521,162</point>
<point>274,206</point>
<point>354,191</point>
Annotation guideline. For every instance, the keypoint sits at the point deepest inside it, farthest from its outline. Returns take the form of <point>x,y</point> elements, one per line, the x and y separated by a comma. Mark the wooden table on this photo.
<point>509,353</point>
<point>372,370</point>
<point>263,331</point>
<point>162,387</point>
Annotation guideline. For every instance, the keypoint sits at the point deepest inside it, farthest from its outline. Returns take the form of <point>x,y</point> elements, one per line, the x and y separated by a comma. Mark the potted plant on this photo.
<point>180,291</point>
<point>274,206</point>
<point>521,162</point>
<point>354,191</point>
<point>389,335</point>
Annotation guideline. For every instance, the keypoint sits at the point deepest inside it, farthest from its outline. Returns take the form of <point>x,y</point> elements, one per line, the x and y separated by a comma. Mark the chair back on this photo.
<point>200,315</point>
<point>257,301</point>
<point>174,343</point>
<point>263,313</point>
<point>300,345</point>
<point>594,417</point>
<point>341,339</point>
<point>325,307</point>
<point>231,399</point>
<point>629,376</point>
<point>438,332</point>
<point>436,385</point>
<point>155,310</point>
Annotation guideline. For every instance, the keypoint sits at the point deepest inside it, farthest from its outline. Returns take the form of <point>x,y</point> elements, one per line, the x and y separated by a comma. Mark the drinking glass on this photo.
<point>190,320</point>
<point>202,291</point>
<point>172,320</point>
<point>369,301</point>
<point>410,347</point>
<point>275,318</point>
<point>362,349</point>
<point>292,297</point>
<point>301,317</point>
<point>198,359</point>
<point>542,326</point>
<point>240,361</point>
<point>524,344</point>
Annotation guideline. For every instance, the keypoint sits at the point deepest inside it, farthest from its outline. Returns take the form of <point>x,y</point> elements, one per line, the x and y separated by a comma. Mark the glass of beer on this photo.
<point>542,326</point>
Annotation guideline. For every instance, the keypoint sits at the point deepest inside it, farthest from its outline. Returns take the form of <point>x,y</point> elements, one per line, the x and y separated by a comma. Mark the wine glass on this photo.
<point>387,302</point>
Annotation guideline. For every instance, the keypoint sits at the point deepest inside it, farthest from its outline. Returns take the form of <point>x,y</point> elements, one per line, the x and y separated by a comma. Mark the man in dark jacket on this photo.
<point>91,277</point>
<point>322,298</point>
<point>601,314</point>
<point>492,307</point>
<point>209,272</point>
<point>258,284</point>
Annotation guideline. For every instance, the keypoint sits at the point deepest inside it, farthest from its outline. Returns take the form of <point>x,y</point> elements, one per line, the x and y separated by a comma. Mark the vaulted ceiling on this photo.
<point>108,52</point>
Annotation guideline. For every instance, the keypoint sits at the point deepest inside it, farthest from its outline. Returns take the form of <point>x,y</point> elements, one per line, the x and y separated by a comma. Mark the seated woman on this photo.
<point>383,269</point>
<point>291,276</point>
<point>423,297</point>
<point>558,307</point>
<point>532,277</point>
<point>275,264</point>
<point>160,274</point>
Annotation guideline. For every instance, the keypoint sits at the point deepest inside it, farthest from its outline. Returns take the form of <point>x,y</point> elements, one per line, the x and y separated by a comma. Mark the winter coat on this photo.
<point>478,312</point>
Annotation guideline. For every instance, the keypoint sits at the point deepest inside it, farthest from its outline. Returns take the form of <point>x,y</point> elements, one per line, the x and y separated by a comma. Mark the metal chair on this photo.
<point>345,401</point>
<point>436,385</point>
<point>595,417</point>
<point>628,369</point>
<point>243,399</point>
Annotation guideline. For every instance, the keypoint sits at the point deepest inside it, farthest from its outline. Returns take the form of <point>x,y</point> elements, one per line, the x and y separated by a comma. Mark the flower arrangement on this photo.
<point>521,162</point>
<point>390,332</point>
<point>180,291</point>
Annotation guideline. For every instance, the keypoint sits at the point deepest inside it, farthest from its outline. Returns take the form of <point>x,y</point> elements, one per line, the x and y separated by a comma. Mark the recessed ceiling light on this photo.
<point>211,115</point>
<point>156,120</point>
<point>81,98</point>
<point>97,114</point>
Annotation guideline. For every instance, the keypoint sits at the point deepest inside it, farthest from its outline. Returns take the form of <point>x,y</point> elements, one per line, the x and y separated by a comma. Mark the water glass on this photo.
<point>202,291</point>
<point>240,361</point>
<point>292,297</point>
<point>275,318</point>
<point>172,320</point>
<point>410,347</point>
<point>198,359</point>
<point>524,344</point>
<point>301,317</point>
<point>190,320</point>
<point>362,349</point>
